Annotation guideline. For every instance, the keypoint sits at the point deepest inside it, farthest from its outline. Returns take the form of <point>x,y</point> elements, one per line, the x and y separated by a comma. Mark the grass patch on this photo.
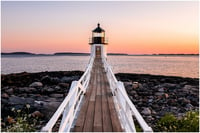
<point>188,123</point>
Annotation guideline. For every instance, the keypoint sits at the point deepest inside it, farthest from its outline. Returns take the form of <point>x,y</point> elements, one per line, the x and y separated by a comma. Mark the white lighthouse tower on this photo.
<point>98,43</point>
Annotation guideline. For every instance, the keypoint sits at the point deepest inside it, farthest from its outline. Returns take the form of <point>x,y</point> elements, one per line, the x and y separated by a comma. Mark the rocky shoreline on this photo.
<point>155,95</point>
<point>152,95</point>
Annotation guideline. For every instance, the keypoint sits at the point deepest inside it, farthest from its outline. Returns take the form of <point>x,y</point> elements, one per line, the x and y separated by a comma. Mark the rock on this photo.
<point>5,95</point>
<point>36,84</point>
<point>14,100</point>
<point>166,95</point>
<point>3,101</point>
<point>57,88</point>
<point>183,101</point>
<point>50,90</point>
<point>31,90</point>
<point>10,91</point>
<point>149,118</point>
<point>133,92</point>
<point>49,108</point>
<point>10,120</point>
<point>187,87</point>
<point>45,79</point>
<point>55,80</point>
<point>64,85</point>
<point>140,86</point>
<point>22,95</point>
<point>169,85</point>
<point>173,108</point>
<point>159,93</point>
<point>150,100</point>
<point>27,89</point>
<point>37,114</point>
<point>189,106</point>
<point>146,111</point>
<point>56,95</point>
<point>161,90</point>
<point>153,112</point>
<point>50,80</point>
<point>69,79</point>
<point>135,85</point>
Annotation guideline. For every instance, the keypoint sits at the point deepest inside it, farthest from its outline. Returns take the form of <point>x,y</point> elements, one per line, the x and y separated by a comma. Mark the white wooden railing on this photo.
<point>125,108</point>
<point>71,104</point>
<point>69,107</point>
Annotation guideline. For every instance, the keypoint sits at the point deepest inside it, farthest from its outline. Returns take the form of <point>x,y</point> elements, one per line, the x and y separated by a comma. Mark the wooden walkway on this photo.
<point>98,112</point>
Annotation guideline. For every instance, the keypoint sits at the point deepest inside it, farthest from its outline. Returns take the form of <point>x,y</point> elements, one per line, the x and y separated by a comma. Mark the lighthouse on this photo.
<point>98,43</point>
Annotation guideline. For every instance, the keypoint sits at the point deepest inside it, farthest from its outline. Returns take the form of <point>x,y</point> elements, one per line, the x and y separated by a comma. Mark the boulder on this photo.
<point>36,84</point>
<point>146,111</point>
<point>9,91</point>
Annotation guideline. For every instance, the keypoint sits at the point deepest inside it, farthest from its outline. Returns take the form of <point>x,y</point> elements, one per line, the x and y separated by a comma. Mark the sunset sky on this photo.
<point>132,27</point>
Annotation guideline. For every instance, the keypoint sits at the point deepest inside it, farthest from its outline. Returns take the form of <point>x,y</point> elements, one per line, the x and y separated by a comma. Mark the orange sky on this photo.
<point>134,28</point>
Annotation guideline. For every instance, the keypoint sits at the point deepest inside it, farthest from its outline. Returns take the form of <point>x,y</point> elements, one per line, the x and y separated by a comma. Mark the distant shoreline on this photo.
<point>17,54</point>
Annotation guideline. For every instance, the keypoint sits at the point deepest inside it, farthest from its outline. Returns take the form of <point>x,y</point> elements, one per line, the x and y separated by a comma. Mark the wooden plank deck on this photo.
<point>98,113</point>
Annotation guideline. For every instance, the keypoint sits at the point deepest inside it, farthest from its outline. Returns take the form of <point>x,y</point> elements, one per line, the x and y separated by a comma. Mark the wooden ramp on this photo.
<point>98,112</point>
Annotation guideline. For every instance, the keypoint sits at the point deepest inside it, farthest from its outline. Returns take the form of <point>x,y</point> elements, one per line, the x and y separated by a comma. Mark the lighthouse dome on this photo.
<point>98,29</point>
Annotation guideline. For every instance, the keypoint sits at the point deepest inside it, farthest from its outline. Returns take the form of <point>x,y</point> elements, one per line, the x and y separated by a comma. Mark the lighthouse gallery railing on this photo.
<point>70,106</point>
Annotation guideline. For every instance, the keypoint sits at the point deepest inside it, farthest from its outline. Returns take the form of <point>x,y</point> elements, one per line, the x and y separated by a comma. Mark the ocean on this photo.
<point>183,66</point>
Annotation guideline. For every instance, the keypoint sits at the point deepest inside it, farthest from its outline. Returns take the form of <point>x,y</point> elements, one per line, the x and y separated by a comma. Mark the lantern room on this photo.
<point>98,36</point>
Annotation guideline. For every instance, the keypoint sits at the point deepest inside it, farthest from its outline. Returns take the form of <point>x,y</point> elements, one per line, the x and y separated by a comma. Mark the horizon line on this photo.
<point>25,52</point>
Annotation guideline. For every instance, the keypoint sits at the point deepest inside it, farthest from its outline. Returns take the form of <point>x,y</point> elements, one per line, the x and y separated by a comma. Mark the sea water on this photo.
<point>184,66</point>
